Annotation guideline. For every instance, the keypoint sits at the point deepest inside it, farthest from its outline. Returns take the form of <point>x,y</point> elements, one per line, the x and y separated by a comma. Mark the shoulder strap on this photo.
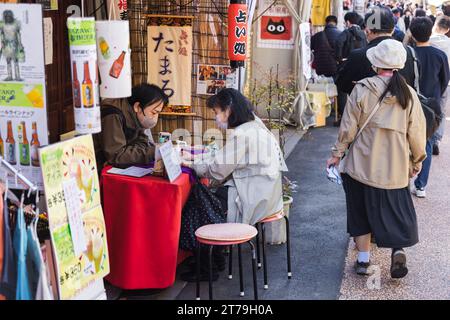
<point>416,69</point>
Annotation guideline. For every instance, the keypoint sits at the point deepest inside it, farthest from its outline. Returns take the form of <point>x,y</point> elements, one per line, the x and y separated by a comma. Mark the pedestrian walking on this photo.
<point>383,132</point>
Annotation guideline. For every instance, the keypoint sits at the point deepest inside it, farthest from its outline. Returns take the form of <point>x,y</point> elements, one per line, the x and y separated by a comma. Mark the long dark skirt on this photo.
<point>388,214</point>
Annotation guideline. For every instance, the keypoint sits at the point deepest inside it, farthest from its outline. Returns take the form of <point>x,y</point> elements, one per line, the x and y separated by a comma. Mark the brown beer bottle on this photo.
<point>24,146</point>
<point>117,66</point>
<point>87,88</point>
<point>1,146</point>
<point>35,147</point>
<point>76,87</point>
<point>10,146</point>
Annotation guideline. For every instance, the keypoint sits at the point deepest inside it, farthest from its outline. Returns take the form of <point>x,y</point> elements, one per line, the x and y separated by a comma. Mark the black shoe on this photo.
<point>191,276</point>
<point>435,149</point>
<point>398,264</point>
<point>362,268</point>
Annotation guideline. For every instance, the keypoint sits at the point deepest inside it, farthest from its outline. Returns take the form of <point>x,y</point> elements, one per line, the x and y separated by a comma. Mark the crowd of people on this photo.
<point>390,67</point>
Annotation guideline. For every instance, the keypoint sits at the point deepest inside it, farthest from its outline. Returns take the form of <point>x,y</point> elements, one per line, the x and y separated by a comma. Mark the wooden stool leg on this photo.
<point>257,246</point>
<point>288,246</point>
<point>241,276</point>
<point>198,270</point>
<point>230,263</point>
<point>255,282</point>
<point>263,227</point>
<point>210,272</point>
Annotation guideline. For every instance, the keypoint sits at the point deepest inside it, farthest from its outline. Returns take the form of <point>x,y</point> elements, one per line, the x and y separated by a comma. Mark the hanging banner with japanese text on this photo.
<point>23,112</point>
<point>119,9</point>
<point>170,60</point>
<point>76,223</point>
<point>114,58</point>
<point>275,27</point>
<point>85,88</point>
<point>305,47</point>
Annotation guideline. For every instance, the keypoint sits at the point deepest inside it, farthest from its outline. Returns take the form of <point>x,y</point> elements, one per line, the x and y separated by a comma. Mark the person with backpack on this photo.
<point>351,38</point>
<point>323,45</point>
<point>381,145</point>
<point>123,141</point>
<point>432,84</point>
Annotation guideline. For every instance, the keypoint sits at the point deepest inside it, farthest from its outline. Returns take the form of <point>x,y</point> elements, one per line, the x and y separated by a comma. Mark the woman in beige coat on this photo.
<point>381,158</point>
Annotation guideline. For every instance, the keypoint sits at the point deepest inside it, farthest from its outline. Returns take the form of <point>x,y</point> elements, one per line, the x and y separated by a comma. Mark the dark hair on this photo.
<point>446,8</point>
<point>396,11</point>
<point>420,13</point>
<point>398,88</point>
<point>240,107</point>
<point>352,17</point>
<point>380,20</point>
<point>147,94</point>
<point>443,22</point>
<point>331,19</point>
<point>421,28</point>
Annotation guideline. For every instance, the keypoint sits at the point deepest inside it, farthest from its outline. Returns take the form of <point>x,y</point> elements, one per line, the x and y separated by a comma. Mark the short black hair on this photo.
<point>352,17</point>
<point>147,94</point>
<point>241,109</point>
<point>421,28</point>
<point>420,13</point>
<point>331,19</point>
<point>380,20</point>
<point>446,8</point>
<point>443,22</point>
<point>396,11</point>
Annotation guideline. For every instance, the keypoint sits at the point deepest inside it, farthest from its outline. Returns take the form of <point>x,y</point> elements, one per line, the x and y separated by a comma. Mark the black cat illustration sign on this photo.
<point>276,28</point>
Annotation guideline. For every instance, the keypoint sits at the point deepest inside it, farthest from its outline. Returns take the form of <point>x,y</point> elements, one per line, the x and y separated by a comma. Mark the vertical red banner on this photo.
<point>237,32</point>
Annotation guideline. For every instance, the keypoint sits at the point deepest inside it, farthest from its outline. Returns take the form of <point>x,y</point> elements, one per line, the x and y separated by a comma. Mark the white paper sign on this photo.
<point>171,161</point>
<point>48,40</point>
<point>71,195</point>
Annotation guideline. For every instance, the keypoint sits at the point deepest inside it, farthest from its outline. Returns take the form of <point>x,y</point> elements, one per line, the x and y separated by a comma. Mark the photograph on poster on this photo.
<point>213,78</point>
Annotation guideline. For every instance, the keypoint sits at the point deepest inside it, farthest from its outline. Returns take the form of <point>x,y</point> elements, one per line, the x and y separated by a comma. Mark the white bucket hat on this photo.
<point>388,54</point>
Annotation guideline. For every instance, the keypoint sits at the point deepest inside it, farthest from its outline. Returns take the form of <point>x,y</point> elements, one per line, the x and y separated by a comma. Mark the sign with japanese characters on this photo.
<point>72,194</point>
<point>275,28</point>
<point>170,61</point>
<point>23,113</point>
<point>119,9</point>
<point>85,78</point>
<point>237,32</point>
<point>305,48</point>
<point>114,58</point>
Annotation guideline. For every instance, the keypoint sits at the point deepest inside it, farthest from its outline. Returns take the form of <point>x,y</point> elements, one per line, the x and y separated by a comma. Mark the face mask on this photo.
<point>149,123</point>
<point>220,124</point>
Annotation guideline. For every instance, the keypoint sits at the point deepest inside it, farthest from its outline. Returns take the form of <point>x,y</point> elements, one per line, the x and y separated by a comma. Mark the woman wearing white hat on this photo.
<point>383,136</point>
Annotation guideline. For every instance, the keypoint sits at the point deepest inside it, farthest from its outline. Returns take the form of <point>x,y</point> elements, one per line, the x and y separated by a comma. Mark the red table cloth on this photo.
<point>143,220</point>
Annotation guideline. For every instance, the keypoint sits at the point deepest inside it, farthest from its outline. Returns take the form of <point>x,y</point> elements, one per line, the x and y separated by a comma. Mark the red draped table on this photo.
<point>143,221</point>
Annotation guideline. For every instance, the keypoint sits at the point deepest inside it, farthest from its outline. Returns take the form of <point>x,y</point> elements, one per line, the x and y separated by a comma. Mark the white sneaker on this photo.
<point>419,193</point>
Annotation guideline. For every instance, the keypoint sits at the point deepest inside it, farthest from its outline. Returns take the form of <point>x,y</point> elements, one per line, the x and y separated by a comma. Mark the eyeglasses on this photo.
<point>333,175</point>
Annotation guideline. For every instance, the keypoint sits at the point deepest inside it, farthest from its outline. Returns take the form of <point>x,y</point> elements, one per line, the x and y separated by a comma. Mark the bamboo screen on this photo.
<point>209,47</point>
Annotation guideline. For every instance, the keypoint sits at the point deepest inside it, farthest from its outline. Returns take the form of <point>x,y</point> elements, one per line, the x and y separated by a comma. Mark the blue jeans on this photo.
<point>422,179</point>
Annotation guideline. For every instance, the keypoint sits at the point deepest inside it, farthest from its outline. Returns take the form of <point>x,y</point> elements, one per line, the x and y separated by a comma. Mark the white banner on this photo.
<point>305,47</point>
<point>114,58</point>
<point>118,8</point>
<point>170,61</point>
<point>23,114</point>
<point>83,56</point>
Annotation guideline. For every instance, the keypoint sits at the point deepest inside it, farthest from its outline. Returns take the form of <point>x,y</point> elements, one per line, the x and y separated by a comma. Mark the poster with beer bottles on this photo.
<point>114,58</point>
<point>76,222</point>
<point>23,115</point>
<point>85,76</point>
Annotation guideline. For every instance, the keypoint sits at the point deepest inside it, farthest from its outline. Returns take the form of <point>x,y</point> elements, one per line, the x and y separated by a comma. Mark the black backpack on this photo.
<point>430,106</point>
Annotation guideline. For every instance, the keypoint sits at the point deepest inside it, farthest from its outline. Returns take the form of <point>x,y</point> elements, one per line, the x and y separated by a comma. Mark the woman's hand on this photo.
<point>333,161</point>
<point>186,163</point>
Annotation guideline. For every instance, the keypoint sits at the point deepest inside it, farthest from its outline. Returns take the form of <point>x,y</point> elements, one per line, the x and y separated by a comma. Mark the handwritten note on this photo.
<point>73,205</point>
<point>48,40</point>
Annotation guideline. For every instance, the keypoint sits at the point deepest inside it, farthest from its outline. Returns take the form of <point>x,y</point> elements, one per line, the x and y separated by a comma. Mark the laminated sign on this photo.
<point>85,77</point>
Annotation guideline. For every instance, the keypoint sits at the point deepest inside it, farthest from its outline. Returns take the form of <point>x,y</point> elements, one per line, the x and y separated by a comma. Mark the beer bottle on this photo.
<point>76,87</point>
<point>10,146</point>
<point>117,66</point>
<point>87,88</point>
<point>24,147</point>
<point>35,146</point>
<point>1,146</point>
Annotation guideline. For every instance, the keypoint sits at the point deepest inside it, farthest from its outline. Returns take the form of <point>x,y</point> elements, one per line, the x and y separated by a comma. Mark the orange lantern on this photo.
<point>237,32</point>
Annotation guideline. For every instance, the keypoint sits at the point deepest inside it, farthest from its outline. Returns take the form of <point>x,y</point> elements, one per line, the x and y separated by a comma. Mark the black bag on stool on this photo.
<point>201,208</point>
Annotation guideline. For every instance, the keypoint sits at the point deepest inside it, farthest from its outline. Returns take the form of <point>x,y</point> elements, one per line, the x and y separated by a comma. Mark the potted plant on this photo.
<point>289,187</point>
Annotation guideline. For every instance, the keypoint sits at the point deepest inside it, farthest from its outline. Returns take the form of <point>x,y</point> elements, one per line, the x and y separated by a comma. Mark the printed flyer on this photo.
<point>85,77</point>
<point>213,78</point>
<point>74,161</point>
<point>23,114</point>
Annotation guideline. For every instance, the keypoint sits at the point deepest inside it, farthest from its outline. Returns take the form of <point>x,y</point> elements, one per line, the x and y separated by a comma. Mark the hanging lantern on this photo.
<point>237,32</point>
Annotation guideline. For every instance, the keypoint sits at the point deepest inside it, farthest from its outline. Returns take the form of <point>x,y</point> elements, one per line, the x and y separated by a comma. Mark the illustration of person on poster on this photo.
<point>12,48</point>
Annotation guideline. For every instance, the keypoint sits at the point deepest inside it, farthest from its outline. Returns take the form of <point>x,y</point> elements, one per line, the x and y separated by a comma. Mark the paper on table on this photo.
<point>171,160</point>
<point>73,206</point>
<point>131,171</point>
